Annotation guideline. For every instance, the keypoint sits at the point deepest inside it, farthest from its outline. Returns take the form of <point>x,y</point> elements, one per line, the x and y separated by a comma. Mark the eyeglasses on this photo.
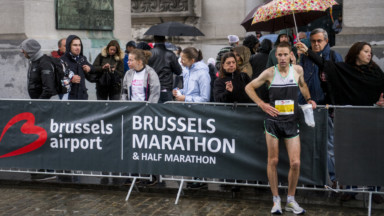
<point>318,41</point>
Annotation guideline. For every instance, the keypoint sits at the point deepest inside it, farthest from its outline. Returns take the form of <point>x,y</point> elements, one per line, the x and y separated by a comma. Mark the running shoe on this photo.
<point>294,207</point>
<point>276,209</point>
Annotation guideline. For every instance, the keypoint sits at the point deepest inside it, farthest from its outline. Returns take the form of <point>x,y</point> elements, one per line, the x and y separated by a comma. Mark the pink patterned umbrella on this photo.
<point>280,14</point>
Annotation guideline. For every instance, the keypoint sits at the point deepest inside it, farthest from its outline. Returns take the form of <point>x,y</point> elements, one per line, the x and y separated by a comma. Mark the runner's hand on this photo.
<point>272,111</point>
<point>381,100</point>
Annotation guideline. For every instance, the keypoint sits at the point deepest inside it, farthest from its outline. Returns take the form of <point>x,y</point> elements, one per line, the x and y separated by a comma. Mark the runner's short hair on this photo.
<point>284,44</point>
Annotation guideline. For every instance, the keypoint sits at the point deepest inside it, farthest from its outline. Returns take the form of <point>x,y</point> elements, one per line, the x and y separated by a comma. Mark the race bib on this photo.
<point>285,107</point>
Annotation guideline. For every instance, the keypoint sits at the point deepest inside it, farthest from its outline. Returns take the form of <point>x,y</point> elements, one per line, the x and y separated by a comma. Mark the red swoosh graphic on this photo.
<point>28,128</point>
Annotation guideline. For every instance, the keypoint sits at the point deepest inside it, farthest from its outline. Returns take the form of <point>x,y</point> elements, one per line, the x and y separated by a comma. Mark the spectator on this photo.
<point>243,54</point>
<point>196,87</point>
<point>258,63</point>
<point>302,35</point>
<point>285,35</point>
<point>318,88</point>
<point>165,63</point>
<point>213,74</point>
<point>131,45</point>
<point>338,25</point>
<point>79,65</point>
<point>358,81</point>
<point>313,77</point>
<point>60,52</point>
<point>258,35</point>
<point>230,85</point>
<point>233,41</point>
<point>141,82</point>
<point>252,43</point>
<point>143,46</point>
<point>109,67</point>
<point>41,78</point>
<point>178,51</point>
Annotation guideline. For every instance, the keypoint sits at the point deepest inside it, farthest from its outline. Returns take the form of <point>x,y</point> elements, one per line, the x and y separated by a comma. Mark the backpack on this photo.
<point>62,80</point>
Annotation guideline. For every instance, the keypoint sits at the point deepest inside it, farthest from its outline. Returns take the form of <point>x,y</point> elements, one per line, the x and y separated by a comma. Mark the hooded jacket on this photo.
<point>244,54</point>
<point>104,58</point>
<point>41,78</point>
<point>165,63</point>
<point>272,60</point>
<point>75,63</point>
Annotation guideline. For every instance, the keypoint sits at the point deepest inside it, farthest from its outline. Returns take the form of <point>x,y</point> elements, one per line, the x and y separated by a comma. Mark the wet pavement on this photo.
<point>85,196</point>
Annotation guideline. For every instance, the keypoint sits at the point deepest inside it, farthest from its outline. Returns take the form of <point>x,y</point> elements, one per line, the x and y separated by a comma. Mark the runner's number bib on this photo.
<point>285,107</point>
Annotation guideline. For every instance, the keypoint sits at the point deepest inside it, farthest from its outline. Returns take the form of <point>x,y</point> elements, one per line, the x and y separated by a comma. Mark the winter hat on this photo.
<point>211,61</point>
<point>30,46</point>
<point>233,39</point>
<point>131,44</point>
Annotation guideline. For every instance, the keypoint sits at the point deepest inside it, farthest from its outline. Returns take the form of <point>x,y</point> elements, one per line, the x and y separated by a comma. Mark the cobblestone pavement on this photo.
<point>86,196</point>
<point>48,199</point>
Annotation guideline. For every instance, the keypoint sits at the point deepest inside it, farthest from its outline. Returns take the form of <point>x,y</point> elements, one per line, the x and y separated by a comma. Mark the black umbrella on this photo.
<point>173,29</point>
<point>247,22</point>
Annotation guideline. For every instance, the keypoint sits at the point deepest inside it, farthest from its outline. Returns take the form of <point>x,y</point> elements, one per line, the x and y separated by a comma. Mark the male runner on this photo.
<point>284,81</point>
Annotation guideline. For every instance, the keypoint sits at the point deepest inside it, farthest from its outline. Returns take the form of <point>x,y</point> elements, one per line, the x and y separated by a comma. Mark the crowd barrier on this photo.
<point>210,141</point>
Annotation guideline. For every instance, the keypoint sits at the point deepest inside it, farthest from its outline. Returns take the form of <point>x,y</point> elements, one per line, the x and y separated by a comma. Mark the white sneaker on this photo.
<point>294,207</point>
<point>276,209</point>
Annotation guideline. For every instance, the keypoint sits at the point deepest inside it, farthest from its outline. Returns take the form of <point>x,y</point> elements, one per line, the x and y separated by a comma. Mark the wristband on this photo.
<point>308,99</point>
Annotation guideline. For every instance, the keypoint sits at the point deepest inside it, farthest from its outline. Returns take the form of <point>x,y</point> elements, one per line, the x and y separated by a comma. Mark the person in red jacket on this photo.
<point>58,53</point>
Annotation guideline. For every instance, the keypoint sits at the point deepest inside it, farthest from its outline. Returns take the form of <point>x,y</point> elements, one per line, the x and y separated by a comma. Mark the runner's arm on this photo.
<point>265,77</point>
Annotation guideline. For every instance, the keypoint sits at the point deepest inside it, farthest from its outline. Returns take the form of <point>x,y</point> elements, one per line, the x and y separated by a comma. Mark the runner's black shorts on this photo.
<point>280,129</point>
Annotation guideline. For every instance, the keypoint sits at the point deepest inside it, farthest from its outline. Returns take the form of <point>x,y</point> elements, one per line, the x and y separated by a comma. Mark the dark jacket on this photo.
<point>239,81</point>
<point>104,58</point>
<point>258,62</point>
<point>78,90</point>
<point>351,84</point>
<point>165,63</point>
<point>312,76</point>
<point>272,60</point>
<point>41,79</point>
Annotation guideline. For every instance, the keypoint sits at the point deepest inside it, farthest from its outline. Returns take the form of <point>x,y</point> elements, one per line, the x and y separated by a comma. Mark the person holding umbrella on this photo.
<point>165,63</point>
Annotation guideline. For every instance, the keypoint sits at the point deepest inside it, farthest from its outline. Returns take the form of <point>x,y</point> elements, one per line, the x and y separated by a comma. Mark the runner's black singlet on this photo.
<point>283,95</point>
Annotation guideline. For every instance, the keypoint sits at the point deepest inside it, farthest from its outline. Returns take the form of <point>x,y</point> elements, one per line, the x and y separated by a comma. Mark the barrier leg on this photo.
<point>180,189</point>
<point>130,189</point>
<point>369,203</point>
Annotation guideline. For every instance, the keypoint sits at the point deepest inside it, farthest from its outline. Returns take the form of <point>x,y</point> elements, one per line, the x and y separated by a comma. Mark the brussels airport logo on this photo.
<point>28,127</point>
<point>72,144</point>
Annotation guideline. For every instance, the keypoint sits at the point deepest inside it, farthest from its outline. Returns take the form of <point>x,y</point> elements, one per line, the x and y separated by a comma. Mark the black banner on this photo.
<point>359,146</point>
<point>197,140</point>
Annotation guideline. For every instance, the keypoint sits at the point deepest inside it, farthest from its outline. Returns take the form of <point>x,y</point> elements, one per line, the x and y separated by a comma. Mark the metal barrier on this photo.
<point>182,179</point>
